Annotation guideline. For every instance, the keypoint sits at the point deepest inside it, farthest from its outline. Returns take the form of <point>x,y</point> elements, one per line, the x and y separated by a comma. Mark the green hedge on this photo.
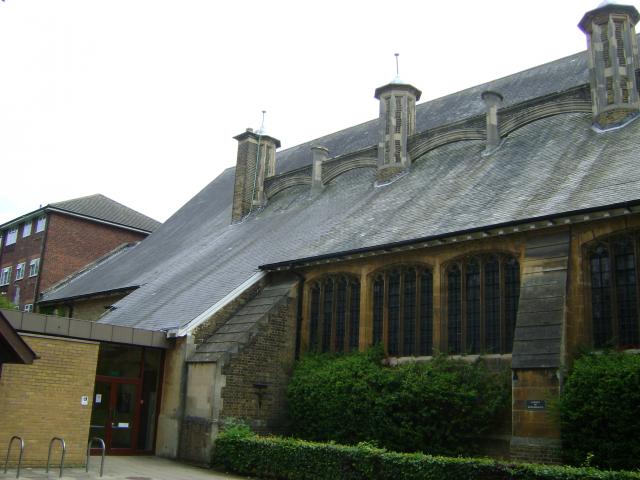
<point>289,459</point>
<point>433,407</point>
<point>600,411</point>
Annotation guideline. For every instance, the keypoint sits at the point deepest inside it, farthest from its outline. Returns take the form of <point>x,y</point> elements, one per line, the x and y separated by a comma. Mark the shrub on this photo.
<point>435,406</point>
<point>5,303</point>
<point>236,428</point>
<point>600,411</point>
<point>283,458</point>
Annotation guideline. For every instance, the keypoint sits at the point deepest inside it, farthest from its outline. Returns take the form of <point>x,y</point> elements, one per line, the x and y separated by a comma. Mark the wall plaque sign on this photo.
<point>536,405</point>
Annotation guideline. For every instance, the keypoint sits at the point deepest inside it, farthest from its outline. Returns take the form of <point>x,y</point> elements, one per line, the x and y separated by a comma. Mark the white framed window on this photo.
<point>34,267</point>
<point>26,230</point>
<point>40,223</point>
<point>5,276</point>
<point>20,271</point>
<point>12,236</point>
<point>28,307</point>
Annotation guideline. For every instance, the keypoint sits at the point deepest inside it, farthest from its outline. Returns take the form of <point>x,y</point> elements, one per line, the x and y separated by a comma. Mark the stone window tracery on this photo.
<point>403,310</point>
<point>614,294</point>
<point>334,320</point>
<point>481,304</point>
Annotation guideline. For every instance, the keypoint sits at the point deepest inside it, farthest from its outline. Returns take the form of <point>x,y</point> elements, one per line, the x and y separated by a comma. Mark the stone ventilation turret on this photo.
<point>613,60</point>
<point>397,122</point>
<point>320,156</point>
<point>256,162</point>
<point>492,101</point>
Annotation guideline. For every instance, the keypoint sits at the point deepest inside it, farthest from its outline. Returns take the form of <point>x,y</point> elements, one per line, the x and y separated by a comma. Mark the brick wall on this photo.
<point>268,360</point>
<point>93,308</point>
<point>73,242</point>
<point>42,400</point>
<point>23,251</point>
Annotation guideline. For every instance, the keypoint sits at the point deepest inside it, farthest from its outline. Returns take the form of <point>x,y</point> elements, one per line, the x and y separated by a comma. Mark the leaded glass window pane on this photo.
<point>625,271</point>
<point>378,304</point>
<point>354,317</point>
<point>454,320</point>
<point>315,317</point>
<point>601,297</point>
<point>426,314</point>
<point>409,313</point>
<point>394,313</point>
<point>328,316</point>
<point>485,306</point>
<point>473,307</point>
<point>511,294</point>
<point>341,314</point>
<point>334,314</point>
<point>492,306</point>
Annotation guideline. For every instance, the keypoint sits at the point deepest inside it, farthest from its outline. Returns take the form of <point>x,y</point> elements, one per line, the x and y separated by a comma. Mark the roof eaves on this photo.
<point>624,207</point>
<point>24,217</point>
<point>97,219</point>
<point>102,293</point>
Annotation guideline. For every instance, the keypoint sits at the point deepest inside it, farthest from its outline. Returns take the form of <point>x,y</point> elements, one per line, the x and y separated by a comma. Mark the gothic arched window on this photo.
<point>614,293</point>
<point>482,304</point>
<point>403,310</point>
<point>334,323</point>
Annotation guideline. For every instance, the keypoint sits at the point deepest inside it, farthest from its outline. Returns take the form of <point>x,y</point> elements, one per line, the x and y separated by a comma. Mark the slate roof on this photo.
<point>97,207</point>
<point>103,208</point>
<point>546,79</point>
<point>554,165</point>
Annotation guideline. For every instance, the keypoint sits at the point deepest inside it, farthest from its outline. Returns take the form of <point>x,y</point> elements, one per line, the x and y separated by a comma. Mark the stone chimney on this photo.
<point>320,155</point>
<point>256,161</point>
<point>397,122</point>
<point>613,59</point>
<point>492,101</point>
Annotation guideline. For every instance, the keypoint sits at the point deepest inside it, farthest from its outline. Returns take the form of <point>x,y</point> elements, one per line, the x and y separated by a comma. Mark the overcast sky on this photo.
<point>139,99</point>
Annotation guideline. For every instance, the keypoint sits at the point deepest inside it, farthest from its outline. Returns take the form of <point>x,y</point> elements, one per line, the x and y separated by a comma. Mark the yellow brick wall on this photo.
<point>94,308</point>
<point>42,400</point>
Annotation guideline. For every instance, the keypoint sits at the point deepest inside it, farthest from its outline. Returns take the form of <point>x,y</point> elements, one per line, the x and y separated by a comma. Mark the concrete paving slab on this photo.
<point>126,468</point>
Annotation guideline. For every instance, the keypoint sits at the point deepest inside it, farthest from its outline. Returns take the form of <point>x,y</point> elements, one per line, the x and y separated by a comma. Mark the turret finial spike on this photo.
<point>397,68</point>
<point>262,126</point>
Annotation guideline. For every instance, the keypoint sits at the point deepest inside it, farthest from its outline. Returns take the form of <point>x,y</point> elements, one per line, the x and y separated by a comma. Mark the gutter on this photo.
<point>552,220</point>
<point>204,316</point>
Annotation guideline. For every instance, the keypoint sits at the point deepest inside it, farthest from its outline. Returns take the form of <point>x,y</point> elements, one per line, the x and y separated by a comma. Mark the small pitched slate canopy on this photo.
<point>13,349</point>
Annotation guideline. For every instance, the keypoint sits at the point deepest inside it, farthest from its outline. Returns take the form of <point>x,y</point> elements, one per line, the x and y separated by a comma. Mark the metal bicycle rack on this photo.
<point>6,462</point>
<point>102,448</point>
<point>64,450</point>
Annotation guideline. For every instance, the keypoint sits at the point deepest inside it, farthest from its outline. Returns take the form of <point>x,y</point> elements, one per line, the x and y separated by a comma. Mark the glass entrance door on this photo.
<point>114,414</point>
<point>126,398</point>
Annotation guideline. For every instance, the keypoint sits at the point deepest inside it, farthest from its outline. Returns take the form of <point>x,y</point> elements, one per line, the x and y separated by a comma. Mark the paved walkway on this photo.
<point>125,468</point>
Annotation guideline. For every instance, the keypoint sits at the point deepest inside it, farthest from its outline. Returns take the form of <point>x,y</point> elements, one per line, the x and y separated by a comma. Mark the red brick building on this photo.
<point>44,246</point>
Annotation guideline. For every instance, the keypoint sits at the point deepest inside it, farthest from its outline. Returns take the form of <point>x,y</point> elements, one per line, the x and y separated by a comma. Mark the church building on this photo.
<point>501,222</point>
